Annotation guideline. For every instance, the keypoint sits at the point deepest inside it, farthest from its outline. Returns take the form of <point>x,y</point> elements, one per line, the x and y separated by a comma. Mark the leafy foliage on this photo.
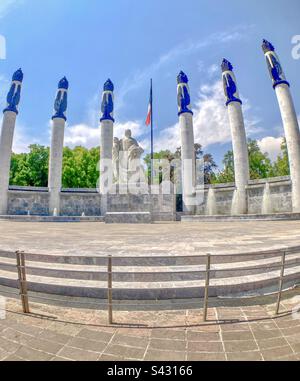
<point>281,165</point>
<point>30,169</point>
<point>80,165</point>
<point>260,164</point>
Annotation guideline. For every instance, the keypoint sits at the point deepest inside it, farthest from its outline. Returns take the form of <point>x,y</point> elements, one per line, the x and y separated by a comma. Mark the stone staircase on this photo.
<point>153,277</point>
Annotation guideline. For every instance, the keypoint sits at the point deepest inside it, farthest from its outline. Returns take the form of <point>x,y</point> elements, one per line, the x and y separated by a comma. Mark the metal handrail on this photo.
<point>24,292</point>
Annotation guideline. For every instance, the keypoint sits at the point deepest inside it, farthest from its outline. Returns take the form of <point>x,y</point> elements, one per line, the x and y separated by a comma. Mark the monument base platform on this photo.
<point>29,218</point>
<point>128,218</point>
<point>241,217</point>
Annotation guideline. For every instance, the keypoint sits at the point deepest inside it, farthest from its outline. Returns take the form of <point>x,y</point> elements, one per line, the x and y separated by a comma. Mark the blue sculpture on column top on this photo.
<point>14,94</point>
<point>274,66</point>
<point>107,106</point>
<point>183,94</point>
<point>61,101</point>
<point>229,82</point>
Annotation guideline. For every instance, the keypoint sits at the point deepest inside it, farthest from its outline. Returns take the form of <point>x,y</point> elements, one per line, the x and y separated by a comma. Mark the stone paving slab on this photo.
<point>248,332</point>
<point>174,238</point>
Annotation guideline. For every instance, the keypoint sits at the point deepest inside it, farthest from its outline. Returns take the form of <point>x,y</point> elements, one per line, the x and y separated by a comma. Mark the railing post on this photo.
<point>109,290</point>
<point>21,266</point>
<point>281,279</point>
<point>206,293</point>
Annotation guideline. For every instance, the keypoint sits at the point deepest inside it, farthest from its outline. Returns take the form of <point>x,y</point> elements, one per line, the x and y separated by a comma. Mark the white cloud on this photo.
<point>87,136</point>
<point>270,145</point>
<point>22,140</point>
<point>82,135</point>
<point>211,125</point>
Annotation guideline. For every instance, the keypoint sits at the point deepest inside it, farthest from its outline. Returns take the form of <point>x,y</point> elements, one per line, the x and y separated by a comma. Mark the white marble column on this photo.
<point>289,119</point>
<point>239,139</point>
<point>6,138</point>
<point>106,145</point>
<point>56,149</point>
<point>187,144</point>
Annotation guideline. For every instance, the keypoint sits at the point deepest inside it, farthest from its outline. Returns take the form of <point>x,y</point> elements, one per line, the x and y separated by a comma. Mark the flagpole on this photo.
<point>152,143</point>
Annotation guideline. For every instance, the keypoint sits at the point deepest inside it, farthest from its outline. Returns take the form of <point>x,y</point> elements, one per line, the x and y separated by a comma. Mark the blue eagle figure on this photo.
<point>230,88</point>
<point>61,100</point>
<point>61,104</point>
<point>183,98</point>
<point>275,71</point>
<point>107,106</point>
<point>13,97</point>
<point>14,94</point>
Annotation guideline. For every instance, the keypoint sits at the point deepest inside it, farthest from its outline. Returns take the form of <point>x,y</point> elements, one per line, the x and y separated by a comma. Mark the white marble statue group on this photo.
<point>126,156</point>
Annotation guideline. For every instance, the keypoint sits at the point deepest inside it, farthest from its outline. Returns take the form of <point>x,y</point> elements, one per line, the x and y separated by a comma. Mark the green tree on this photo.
<point>259,162</point>
<point>80,167</point>
<point>227,174</point>
<point>209,168</point>
<point>281,165</point>
<point>260,165</point>
<point>30,169</point>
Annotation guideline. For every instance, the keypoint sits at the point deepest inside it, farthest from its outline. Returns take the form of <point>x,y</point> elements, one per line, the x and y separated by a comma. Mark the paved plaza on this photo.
<point>250,332</point>
<point>160,238</point>
<point>241,329</point>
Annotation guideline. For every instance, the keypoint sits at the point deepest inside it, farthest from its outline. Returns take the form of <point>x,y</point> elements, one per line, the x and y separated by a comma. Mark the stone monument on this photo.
<point>289,119</point>
<point>239,140</point>
<point>106,146</point>
<point>187,143</point>
<point>7,135</point>
<point>124,191</point>
<point>57,144</point>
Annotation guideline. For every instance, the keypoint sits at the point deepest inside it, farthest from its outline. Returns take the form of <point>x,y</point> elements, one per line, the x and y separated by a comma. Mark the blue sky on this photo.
<point>131,41</point>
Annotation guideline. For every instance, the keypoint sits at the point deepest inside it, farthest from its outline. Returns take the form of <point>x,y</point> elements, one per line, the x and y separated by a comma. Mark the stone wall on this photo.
<point>281,195</point>
<point>280,188</point>
<point>33,200</point>
<point>74,202</point>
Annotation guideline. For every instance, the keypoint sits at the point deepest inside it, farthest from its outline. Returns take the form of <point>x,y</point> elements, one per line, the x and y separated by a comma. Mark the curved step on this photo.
<point>150,273</point>
<point>149,258</point>
<point>150,290</point>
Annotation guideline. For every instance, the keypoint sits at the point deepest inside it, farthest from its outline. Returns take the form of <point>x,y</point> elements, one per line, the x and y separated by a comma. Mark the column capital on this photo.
<point>229,82</point>
<point>107,105</point>
<point>183,94</point>
<point>61,101</point>
<point>14,94</point>
<point>275,69</point>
